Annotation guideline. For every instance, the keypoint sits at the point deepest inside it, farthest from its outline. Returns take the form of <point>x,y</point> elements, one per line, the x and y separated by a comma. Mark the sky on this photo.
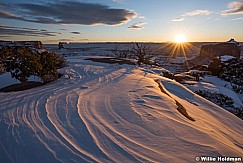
<point>121,20</point>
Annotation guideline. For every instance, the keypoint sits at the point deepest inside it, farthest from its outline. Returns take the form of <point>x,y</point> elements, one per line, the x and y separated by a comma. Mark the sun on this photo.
<point>180,38</point>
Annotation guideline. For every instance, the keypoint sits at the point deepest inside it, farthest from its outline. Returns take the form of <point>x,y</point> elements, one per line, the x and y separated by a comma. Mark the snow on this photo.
<point>40,50</point>
<point>226,58</point>
<point>215,84</point>
<point>6,79</point>
<point>113,113</point>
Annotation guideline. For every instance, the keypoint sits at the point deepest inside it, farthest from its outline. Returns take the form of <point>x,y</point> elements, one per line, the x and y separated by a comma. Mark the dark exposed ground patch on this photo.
<point>21,86</point>
<point>24,86</point>
<point>180,107</point>
<point>112,60</point>
<point>183,111</point>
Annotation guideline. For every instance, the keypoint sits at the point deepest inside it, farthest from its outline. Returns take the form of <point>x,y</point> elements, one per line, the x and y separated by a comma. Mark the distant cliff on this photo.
<point>210,51</point>
<point>231,48</point>
<point>31,44</point>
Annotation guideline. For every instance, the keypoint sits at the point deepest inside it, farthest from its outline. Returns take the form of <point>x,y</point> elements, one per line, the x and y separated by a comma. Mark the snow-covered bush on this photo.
<point>237,88</point>
<point>196,73</point>
<point>233,71</point>
<point>238,111</point>
<point>50,63</point>
<point>22,62</point>
<point>217,98</point>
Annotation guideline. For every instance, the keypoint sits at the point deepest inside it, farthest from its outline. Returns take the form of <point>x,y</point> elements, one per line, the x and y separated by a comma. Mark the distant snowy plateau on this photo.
<point>100,112</point>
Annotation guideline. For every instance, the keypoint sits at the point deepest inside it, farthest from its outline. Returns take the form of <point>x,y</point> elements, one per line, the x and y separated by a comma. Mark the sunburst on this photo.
<point>180,38</point>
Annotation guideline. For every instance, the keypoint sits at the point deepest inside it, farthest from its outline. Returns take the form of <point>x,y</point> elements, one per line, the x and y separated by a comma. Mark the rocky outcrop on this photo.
<point>231,48</point>
<point>31,44</point>
<point>241,50</point>
<point>195,62</point>
<point>60,45</point>
<point>210,51</point>
<point>34,44</point>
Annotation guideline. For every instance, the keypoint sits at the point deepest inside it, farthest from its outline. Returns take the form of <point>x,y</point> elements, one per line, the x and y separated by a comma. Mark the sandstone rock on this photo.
<point>231,48</point>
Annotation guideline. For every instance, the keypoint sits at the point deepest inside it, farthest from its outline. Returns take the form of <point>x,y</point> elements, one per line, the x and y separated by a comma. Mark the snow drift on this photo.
<point>110,113</point>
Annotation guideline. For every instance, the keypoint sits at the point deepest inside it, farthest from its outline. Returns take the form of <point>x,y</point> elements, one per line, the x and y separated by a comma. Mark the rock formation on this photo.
<point>31,44</point>
<point>231,48</point>
<point>60,45</point>
<point>210,51</point>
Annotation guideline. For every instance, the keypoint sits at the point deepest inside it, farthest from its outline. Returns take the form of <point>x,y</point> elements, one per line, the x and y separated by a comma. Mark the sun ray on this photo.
<point>167,45</point>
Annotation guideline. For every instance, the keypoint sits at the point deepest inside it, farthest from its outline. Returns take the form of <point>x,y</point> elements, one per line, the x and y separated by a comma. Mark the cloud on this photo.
<point>235,7</point>
<point>70,12</point>
<point>197,12</point>
<point>178,19</point>
<point>76,33</point>
<point>137,26</point>
<point>7,15</point>
<point>13,31</point>
<point>63,29</point>
<point>118,1</point>
<point>66,40</point>
<point>4,37</point>
<point>238,19</point>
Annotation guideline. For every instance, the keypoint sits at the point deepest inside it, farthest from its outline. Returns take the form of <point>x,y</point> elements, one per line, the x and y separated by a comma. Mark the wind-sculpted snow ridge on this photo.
<point>108,113</point>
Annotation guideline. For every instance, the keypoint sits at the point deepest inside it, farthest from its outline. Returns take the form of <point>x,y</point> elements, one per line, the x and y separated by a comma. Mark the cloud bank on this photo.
<point>235,7</point>
<point>69,12</point>
<point>12,31</point>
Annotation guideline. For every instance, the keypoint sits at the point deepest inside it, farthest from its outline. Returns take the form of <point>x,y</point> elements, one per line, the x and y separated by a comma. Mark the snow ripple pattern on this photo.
<point>101,113</point>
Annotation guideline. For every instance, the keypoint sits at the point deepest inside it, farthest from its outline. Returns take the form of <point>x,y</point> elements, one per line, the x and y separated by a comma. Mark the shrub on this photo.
<point>238,111</point>
<point>5,52</point>
<point>217,98</point>
<point>237,88</point>
<point>222,100</point>
<point>22,62</point>
<point>233,71</point>
<point>50,63</point>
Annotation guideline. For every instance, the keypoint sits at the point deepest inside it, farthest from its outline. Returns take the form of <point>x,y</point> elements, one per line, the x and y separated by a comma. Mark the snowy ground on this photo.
<point>215,84</point>
<point>160,50</point>
<point>112,113</point>
<point>6,79</point>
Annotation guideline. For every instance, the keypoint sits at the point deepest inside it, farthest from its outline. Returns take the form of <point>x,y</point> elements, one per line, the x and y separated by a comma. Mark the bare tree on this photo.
<point>120,53</point>
<point>115,51</point>
<point>142,52</point>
